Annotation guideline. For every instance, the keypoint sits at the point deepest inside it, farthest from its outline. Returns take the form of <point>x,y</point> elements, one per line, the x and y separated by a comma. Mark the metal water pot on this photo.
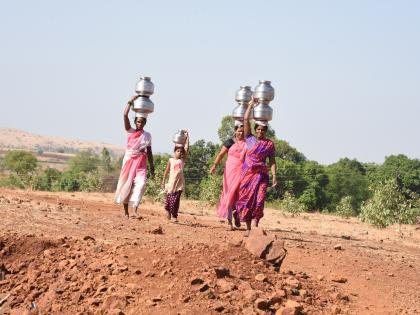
<point>145,86</point>
<point>244,94</point>
<point>264,91</point>
<point>143,104</point>
<point>179,137</point>
<point>263,112</point>
<point>239,112</point>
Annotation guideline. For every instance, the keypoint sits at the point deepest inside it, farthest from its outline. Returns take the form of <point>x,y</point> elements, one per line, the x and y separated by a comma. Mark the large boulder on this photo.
<point>267,247</point>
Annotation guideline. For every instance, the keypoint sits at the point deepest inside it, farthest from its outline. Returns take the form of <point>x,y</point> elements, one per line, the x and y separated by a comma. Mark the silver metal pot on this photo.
<point>239,112</point>
<point>244,94</point>
<point>179,137</point>
<point>143,104</point>
<point>263,112</point>
<point>145,86</point>
<point>264,91</point>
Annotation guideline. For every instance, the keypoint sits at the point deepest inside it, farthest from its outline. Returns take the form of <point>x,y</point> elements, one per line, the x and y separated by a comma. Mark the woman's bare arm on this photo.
<point>186,144</point>
<point>127,124</point>
<point>218,159</point>
<point>150,159</point>
<point>272,161</point>
<point>247,116</point>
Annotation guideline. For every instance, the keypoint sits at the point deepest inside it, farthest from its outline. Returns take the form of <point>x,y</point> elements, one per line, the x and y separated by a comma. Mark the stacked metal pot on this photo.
<point>179,138</point>
<point>143,104</point>
<point>264,93</point>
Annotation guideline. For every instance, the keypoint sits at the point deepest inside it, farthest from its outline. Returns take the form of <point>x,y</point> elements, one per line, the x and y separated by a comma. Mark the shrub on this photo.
<point>290,204</point>
<point>46,179</point>
<point>89,181</point>
<point>20,162</point>
<point>388,206</point>
<point>345,208</point>
<point>211,188</point>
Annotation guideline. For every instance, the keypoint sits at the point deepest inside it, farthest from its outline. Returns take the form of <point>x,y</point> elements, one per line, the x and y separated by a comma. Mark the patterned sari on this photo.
<point>254,179</point>
<point>132,180</point>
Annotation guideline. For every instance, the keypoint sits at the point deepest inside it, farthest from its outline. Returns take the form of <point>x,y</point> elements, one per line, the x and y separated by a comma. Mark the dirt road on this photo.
<point>73,253</point>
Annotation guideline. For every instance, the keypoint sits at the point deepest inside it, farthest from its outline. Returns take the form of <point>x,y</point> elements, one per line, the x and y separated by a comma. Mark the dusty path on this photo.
<point>74,253</point>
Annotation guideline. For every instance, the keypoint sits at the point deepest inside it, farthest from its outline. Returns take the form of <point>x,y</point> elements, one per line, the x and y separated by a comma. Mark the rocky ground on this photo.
<point>66,253</point>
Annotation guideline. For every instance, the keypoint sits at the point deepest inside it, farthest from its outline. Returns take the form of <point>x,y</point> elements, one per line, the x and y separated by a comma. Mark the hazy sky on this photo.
<point>346,73</point>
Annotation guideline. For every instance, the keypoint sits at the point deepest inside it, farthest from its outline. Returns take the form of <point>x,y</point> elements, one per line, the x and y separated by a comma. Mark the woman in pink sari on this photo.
<point>132,180</point>
<point>255,178</point>
<point>235,149</point>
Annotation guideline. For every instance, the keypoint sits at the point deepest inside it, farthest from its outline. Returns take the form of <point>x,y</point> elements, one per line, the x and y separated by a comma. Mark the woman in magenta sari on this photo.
<point>235,149</point>
<point>255,178</point>
<point>132,180</point>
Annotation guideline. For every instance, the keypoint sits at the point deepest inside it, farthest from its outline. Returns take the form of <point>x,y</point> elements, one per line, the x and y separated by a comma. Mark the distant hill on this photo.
<point>18,139</point>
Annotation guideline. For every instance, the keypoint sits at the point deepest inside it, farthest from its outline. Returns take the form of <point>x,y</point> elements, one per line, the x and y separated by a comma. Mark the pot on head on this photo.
<point>179,137</point>
<point>239,112</point>
<point>145,86</point>
<point>244,94</point>
<point>264,91</point>
<point>263,112</point>
<point>143,104</point>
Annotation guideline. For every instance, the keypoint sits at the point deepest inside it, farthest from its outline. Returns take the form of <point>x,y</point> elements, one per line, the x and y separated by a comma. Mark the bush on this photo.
<point>89,181</point>
<point>211,188</point>
<point>344,208</point>
<point>153,185</point>
<point>290,204</point>
<point>388,206</point>
<point>20,162</point>
<point>46,179</point>
<point>13,181</point>
<point>69,181</point>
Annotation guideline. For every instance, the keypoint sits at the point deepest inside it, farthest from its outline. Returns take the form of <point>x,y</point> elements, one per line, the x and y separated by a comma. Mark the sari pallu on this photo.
<point>132,180</point>
<point>254,179</point>
<point>231,179</point>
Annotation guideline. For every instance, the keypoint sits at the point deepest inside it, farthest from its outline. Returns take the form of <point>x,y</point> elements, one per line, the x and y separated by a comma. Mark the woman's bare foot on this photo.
<point>168,216</point>
<point>236,219</point>
<point>126,216</point>
<point>247,233</point>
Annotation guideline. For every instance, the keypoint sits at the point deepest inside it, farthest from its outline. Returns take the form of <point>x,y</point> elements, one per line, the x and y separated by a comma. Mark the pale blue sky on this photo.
<point>346,73</point>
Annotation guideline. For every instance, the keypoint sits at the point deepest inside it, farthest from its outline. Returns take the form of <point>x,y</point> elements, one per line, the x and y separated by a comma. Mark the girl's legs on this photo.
<point>175,207</point>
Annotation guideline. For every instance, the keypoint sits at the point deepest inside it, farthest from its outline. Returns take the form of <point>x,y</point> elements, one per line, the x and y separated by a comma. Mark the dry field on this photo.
<point>18,139</point>
<point>65,253</point>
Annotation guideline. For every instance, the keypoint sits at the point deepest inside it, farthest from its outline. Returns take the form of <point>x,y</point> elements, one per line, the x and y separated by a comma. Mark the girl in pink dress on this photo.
<point>132,180</point>
<point>235,149</point>
<point>176,182</point>
<point>255,177</point>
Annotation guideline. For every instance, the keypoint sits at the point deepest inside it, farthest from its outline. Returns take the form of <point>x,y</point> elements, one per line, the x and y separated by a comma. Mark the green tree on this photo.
<point>20,162</point>
<point>84,161</point>
<point>286,152</point>
<point>388,205</point>
<point>105,161</point>
<point>404,170</point>
<point>347,178</point>
<point>226,129</point>
<point>197,166</point>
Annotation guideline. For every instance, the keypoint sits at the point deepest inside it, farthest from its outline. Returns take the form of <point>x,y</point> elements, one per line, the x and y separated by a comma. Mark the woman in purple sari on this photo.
<point>255,178</point>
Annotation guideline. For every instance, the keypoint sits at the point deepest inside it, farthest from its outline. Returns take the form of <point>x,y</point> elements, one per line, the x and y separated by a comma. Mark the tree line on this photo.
<point>381,194</point>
